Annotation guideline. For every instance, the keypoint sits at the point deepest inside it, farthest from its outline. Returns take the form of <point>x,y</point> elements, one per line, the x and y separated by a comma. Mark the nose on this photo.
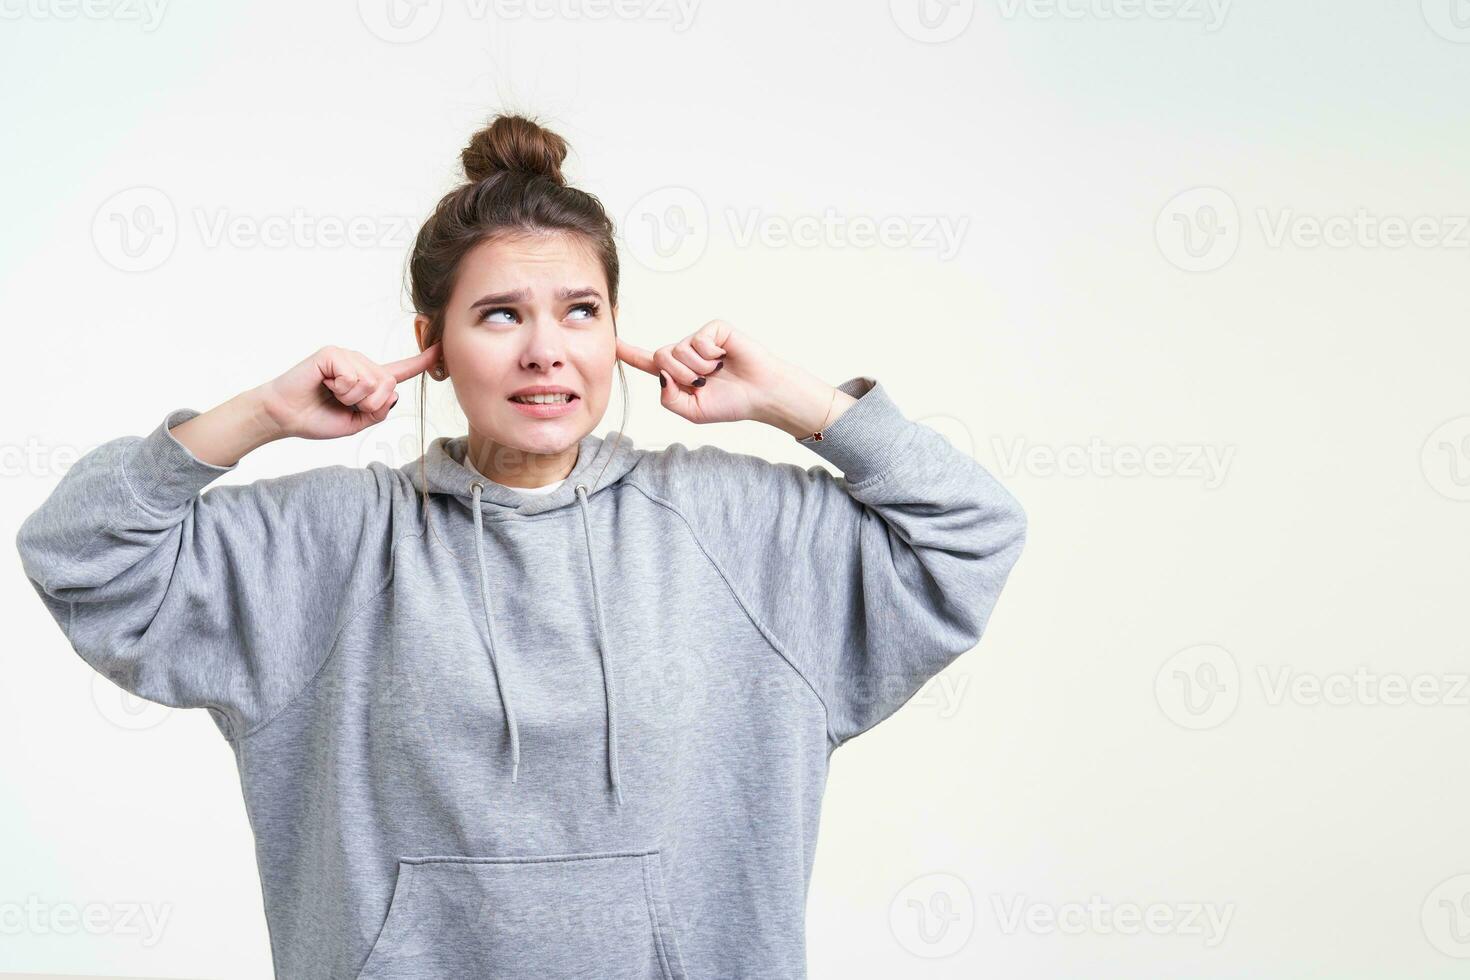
<point>544,348</point>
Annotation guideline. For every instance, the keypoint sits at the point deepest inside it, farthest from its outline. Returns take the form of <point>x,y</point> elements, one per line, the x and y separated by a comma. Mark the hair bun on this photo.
<point>517,145</point>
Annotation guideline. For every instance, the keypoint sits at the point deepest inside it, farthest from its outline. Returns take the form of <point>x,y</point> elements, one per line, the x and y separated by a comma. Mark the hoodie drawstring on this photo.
<point>602,645</point>
<point>510,717</point>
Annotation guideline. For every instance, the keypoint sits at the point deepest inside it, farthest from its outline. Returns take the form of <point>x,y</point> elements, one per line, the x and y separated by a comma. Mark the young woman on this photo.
<point>539,703</point>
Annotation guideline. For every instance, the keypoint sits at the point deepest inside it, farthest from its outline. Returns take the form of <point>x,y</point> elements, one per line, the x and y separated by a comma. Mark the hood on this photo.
<point>601,463</point>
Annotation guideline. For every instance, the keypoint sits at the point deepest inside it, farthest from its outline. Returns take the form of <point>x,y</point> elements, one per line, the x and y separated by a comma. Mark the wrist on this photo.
<point>259,418</point>
<point>223,435</point>
<point>801,404</point>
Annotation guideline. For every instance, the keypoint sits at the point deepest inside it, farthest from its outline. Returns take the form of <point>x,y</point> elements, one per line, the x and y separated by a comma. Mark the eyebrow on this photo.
<point>521,296</point>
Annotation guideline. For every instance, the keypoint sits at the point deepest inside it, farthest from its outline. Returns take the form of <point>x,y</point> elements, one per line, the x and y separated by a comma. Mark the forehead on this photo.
<point>538,262</point>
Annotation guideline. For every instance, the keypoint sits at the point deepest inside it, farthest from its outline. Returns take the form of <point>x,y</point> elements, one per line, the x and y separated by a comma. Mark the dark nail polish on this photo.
<point>698,383</point>
<point>718,366</point>
<point>661,382</point>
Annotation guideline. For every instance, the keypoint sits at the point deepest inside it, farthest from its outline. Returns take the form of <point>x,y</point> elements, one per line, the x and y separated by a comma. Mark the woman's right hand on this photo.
<point>337,392</point>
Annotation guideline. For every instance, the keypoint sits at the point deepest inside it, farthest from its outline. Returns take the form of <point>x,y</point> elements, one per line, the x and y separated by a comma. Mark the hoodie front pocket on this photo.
<point>546,917</point>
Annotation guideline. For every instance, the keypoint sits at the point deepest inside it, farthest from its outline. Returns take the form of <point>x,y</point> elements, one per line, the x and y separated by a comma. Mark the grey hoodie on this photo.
<point>578,734</point>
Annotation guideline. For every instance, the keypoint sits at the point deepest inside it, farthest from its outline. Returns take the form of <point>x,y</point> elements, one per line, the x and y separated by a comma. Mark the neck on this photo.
<point>513,467</point>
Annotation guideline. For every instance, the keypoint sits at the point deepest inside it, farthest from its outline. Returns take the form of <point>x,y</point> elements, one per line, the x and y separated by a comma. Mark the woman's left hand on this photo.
<point>715,374</point>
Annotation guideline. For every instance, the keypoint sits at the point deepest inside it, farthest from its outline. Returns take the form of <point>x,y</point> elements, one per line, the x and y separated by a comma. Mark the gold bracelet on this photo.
<point>817,436</point>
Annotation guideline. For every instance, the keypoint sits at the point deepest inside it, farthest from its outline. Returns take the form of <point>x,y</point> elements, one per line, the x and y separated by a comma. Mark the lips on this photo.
<point>548,409</point>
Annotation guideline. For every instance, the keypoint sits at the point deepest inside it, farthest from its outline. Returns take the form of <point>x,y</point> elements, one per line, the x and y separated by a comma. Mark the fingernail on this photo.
<point>661,382</point>
<point>718,366</point>
<point>698,383</point>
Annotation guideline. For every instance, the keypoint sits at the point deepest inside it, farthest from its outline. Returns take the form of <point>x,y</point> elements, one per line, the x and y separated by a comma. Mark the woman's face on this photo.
<point>529,311</point>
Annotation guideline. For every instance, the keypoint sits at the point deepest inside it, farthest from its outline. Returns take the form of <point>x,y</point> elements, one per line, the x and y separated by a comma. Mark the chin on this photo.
<point>543,436</point>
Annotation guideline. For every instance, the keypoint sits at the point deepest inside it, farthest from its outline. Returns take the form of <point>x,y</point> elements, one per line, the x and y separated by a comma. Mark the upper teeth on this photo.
<point>543,399</point>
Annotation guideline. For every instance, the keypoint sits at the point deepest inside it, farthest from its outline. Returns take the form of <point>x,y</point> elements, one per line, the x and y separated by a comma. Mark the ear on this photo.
<point>421,332</point>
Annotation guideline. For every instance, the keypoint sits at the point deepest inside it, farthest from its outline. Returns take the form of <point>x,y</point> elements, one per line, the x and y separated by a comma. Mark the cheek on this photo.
<point>483,357</point>
<point>595,352</point>
<point>596,360</point>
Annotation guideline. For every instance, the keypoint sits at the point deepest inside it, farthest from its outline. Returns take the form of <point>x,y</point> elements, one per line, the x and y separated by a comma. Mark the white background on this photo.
<point>1116,178</point>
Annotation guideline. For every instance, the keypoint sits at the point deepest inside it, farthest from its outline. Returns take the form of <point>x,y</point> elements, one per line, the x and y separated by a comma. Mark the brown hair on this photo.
<point>515,187</point>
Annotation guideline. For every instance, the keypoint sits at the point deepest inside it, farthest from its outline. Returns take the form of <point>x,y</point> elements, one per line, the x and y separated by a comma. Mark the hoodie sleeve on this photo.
<point>871,582</point>
<point>227,600</point>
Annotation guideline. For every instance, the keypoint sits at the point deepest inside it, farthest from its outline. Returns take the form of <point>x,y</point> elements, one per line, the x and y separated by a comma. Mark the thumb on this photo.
<point>673,397</point>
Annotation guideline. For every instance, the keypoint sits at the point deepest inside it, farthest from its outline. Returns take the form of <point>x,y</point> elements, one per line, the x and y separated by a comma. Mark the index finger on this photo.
<point>408,367</point>
<point>636,356</point>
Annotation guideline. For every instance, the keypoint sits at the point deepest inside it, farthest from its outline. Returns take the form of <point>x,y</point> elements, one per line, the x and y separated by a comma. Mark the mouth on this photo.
<point>543,402</point>
<point>557,398</point>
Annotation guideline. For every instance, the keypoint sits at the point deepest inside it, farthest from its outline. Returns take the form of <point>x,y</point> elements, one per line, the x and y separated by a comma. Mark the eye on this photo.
<point>590,307</point>
<point>488,312</point>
